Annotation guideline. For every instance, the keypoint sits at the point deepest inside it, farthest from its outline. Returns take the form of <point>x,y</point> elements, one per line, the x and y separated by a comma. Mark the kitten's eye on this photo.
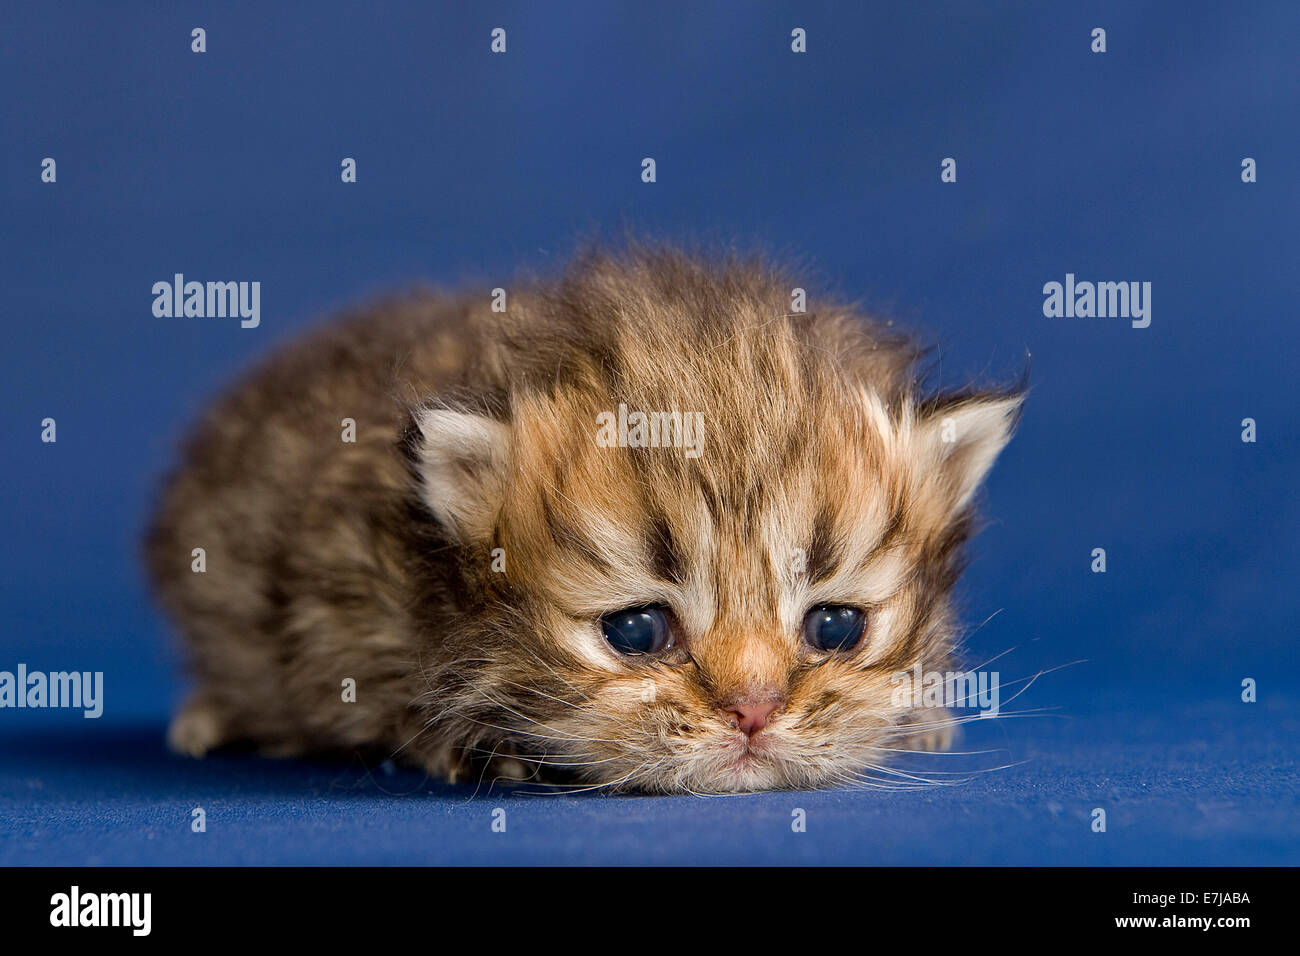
<point>834,627</point>
<point>638,630</point>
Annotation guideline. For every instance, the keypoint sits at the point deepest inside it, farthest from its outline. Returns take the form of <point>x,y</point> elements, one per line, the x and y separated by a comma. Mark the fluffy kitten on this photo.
<point>514,593</point>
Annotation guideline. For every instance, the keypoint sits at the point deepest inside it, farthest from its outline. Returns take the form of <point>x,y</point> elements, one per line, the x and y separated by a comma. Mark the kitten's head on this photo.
<point>722,529</point>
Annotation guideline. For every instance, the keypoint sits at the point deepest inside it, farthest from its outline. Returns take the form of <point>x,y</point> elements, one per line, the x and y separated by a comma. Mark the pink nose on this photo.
<point>752,717</point>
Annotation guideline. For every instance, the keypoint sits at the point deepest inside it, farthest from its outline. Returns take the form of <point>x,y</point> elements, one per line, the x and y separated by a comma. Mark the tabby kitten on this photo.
<point>645,529</point>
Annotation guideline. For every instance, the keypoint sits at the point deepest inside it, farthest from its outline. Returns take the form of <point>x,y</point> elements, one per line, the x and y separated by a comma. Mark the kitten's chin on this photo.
<point>748,765</point>
<point>750,774</point>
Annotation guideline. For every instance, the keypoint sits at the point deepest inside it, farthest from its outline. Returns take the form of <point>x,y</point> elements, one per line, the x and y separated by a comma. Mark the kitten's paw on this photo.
<point>510,769</point>
<point>197,729</point>
<point>934,740</point>
<point>464,767</point>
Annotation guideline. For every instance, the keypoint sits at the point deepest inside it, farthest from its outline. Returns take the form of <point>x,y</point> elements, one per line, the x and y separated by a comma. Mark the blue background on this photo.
<point>472,166</point>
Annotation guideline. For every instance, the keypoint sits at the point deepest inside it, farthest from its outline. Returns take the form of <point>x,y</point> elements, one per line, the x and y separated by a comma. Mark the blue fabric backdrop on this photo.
<point>1124,165</point>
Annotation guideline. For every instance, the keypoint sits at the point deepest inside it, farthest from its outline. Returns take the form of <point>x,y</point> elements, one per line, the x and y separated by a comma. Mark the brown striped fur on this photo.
<point>822,478</point>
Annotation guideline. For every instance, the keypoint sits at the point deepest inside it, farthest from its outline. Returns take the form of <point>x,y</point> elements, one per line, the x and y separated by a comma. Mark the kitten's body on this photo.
<point>821,478</point>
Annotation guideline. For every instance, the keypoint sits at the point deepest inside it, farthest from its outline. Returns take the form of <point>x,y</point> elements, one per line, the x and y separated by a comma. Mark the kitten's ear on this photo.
<point>961,437</point>
<point>461,460</point>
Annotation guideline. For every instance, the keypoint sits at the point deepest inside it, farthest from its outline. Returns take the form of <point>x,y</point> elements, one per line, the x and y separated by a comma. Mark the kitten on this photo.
<point>522,577</point>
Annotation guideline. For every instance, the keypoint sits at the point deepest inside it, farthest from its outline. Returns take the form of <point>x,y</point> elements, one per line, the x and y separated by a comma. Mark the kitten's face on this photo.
<point>724,622</point>
<point>723,613</point>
